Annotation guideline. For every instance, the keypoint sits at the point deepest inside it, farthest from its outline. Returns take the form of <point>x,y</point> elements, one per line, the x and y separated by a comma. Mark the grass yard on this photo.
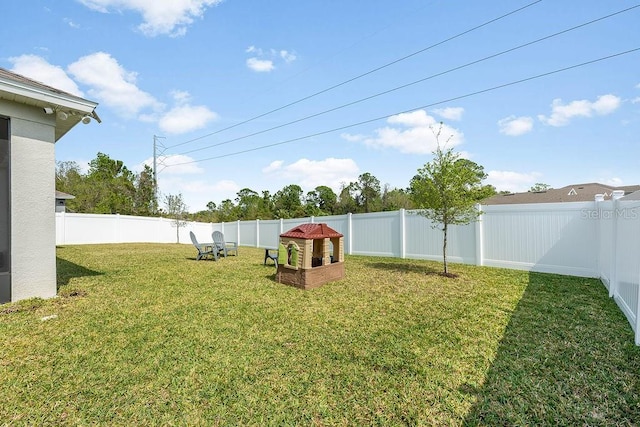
<point>142,334</point>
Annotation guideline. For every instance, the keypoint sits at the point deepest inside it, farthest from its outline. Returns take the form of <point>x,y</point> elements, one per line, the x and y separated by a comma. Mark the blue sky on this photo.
<point>203,74</point>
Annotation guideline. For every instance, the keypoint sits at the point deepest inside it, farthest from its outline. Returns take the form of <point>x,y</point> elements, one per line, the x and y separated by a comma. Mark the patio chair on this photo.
<point>204,250</point>
<point>223,247</point>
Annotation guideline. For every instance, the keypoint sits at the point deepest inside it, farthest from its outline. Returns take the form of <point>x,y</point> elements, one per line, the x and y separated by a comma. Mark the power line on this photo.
<point>414,82</point>
<point>333,55</point>
<point>538,76</point>
<point>358,76</point>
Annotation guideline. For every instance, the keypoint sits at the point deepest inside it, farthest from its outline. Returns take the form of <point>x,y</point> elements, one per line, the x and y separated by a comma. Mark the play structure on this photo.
<point>310,255</point>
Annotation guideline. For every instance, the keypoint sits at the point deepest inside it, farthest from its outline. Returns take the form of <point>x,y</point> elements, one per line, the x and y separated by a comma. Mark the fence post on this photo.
<point>599,237</point>
<point>350,234</point>
<point>403,234</point>
<point>257,232</point>
<point>238,233</point>
<point>479,237</point>
<point>613,287</point>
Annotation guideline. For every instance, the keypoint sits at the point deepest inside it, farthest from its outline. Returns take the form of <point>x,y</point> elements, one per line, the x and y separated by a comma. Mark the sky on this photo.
<point>260,95</point>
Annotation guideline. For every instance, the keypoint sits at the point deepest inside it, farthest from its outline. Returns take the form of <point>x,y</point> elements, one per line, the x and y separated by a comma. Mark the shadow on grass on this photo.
<point>567,357</point>
<point>405,267</point>
<point>67,270</point>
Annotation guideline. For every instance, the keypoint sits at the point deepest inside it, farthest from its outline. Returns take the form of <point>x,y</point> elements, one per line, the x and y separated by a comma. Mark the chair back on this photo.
<point>218,239</point>
<point>193,239</point>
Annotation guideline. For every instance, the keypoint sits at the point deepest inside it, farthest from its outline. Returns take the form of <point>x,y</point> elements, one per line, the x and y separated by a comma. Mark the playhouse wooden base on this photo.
<point>310,278</point>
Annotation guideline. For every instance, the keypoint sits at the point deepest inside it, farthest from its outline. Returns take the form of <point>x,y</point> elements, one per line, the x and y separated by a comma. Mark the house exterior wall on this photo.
<point>33,256</point>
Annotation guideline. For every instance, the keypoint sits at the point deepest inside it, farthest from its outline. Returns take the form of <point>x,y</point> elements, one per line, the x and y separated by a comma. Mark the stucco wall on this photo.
<point>33,246</point>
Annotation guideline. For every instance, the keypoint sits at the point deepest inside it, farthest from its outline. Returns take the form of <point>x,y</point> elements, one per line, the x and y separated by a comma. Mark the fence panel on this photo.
<point>604,214</point>
<point>202,230</point>
<point>133,229</point>
<point>269,233</point>
<point>376,234</point>
<point>248,233</point>
<point>423,241</point>
<point>549,237</point>
<point>627,263</point>
<point>87,228</point>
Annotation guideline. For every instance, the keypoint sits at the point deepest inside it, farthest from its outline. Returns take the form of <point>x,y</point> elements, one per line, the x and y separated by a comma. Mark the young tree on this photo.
<point>177,211</point>
<point>447,189</point>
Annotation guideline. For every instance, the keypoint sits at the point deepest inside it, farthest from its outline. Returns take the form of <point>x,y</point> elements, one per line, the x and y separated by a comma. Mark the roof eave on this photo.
<point>47,97</point>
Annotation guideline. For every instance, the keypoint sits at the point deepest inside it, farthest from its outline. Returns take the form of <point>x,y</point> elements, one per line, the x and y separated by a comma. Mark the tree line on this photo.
<point>109,187</point>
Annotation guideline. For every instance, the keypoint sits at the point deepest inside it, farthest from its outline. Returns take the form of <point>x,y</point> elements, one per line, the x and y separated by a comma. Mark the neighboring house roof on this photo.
<point>570,193</point>
<point>65,196</point>
<point>68,108</point>
<point>311,231</point>
<point>633,196</point>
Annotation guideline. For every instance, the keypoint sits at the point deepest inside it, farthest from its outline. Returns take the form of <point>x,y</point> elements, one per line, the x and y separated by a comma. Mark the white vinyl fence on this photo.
<point>585,239</point>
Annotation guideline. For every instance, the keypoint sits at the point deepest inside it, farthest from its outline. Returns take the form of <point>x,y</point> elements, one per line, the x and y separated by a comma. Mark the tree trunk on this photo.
<point>444,249</point>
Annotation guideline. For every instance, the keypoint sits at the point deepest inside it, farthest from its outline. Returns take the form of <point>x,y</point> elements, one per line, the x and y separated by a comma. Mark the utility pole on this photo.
<point>155,168</point>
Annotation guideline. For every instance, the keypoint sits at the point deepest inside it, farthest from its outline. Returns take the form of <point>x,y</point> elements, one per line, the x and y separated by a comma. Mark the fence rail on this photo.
<point>586,239</point>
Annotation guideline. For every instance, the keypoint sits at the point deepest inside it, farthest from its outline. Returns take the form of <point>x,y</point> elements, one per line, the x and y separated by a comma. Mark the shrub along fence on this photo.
<point>598,239</point>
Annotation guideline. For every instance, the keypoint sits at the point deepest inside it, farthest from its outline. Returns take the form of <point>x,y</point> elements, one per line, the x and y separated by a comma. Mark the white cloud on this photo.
<point>416,134</point>
<point>273,166</point>
<point>264,61</point>
<point>287,56</point>
<point>37,68</point>
<point>72,24</point>
<point>514,182</point>
<point>159,17</point>
<point>186,118</point>
<point>260,65</point>
<point>178,174</point>
<point>635,100</point>
<point>561,113</point>
<point>181,96</point>
<point>114,87</point>
<point>450,113</point>
<point>196,192</point>
<point>515,126</point>
<point>352,137</point>
<point>311,173</point>
<point>614,181</point>
<point>111,84</point>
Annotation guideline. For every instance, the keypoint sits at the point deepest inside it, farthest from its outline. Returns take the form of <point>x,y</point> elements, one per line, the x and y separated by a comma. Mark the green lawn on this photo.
<point>145,335</point>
